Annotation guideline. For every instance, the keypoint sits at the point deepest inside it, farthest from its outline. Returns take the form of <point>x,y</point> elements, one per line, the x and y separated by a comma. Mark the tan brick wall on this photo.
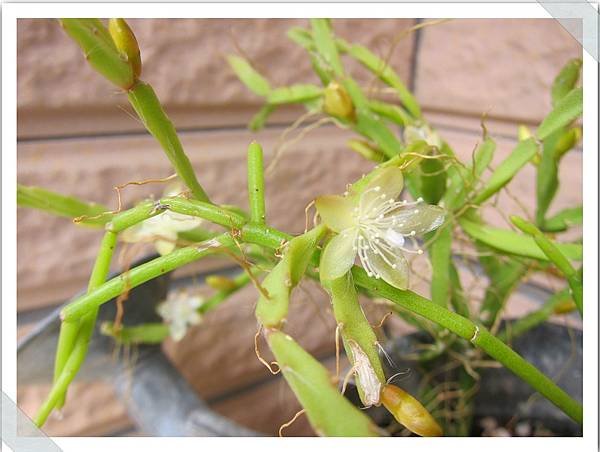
<point>76,137</point>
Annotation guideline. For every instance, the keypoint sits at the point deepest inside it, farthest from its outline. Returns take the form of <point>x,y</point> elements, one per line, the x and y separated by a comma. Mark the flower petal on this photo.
<point>338,255</point>
<point>398,276</point>
<point>336,211</point>
<point>386,183</point>
<point>420,218</point>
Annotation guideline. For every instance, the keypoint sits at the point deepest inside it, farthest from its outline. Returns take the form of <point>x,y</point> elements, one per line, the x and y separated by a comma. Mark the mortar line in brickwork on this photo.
<point>414,57</point>
<point>141,132</point>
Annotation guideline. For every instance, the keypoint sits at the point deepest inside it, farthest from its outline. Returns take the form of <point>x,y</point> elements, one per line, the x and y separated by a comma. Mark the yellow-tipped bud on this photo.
<point>126,44</point>
<point>565,307</point>
<point>409,412</point>
<point>337,101</point>
<point>220,282</point>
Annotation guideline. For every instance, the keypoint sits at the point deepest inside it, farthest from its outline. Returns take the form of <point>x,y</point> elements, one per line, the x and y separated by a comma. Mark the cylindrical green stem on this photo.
<point>130,217</point>
<point>256,183</point>
<point>139,275</point>
<point>205,210</point>
<point>71,331</point>
<point>147,106</point>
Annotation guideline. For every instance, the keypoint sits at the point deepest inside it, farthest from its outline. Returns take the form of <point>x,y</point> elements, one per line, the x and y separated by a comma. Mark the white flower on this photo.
<point>180,310</point>
<point>375,226</point>
<point>162,229</point>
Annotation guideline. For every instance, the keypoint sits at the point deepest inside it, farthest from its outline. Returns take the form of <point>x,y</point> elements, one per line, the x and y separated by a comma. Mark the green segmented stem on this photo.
<point>145,103</point>
<point>139,275</point>
<point>65,206</point>
<point>214,214</point>
<point>355,329</point>
<point>73,332</point>
<point>256,183</point>
<point>271,311</point>
<point>574,277</point>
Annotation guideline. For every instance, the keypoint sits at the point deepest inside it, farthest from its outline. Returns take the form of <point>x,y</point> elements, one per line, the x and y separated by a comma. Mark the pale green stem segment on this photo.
<point>360,341</point>
<point>66,376</point>
<point>145,103</point>
<point>72,332</point>
<point>524,324</point>
<point>215,214</point>
<point>146,333</point>
<point>139,275</point>
<point>91,214</point>
<point>478,336</point>
<point>441,259</point>
<point>326,46</point>
<point>511,242</point>
<point>504,275</point>
<point>328,411</point>
<point>256,184</point>
<point>99,50</point>
<point>573,276</point>
<point>131,217</point>
<point>271,311</point>
<point>524,151</point>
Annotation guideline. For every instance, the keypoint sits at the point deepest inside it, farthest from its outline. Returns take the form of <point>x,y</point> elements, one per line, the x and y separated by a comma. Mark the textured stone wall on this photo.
<point>76,135</point>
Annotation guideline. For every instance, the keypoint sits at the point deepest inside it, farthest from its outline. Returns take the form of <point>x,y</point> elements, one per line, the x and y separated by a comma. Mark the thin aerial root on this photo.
<point>397,374</point>
<point>306,209</point>
<point>475,334</point>
<point>126,258</point>
<point>261,359</point>
<point>291,421</point>
<point>337,350</point>
<point>118,189</point>
<point>383,319</point>
<point>281,143</point>
<point>279,151</point>
<point>387,356</point>
<point>347,379</point>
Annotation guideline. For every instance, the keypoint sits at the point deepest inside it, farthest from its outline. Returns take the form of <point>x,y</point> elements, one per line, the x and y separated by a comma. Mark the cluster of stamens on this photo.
<point>377,221</point>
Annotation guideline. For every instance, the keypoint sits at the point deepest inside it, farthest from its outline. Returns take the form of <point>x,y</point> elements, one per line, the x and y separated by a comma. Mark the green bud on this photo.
<point>337,101</point>
<point>220,282</point>
<point>126,44</point>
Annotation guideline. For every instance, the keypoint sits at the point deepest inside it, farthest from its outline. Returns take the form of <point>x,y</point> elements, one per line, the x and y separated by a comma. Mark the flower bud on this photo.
<point>220,282</point>
<point>126,44</point>
<point>337,101</point>
<point>565,307</point>
<point>409,412</point>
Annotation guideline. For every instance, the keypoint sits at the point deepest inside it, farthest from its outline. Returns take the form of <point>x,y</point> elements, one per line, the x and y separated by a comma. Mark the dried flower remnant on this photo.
<point>366,376</point>
<point>180,311</point>
<point>375,226</point>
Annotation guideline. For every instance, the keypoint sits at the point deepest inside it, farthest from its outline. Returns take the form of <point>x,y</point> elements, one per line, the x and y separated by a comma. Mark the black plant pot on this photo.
<point>162,403</point>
